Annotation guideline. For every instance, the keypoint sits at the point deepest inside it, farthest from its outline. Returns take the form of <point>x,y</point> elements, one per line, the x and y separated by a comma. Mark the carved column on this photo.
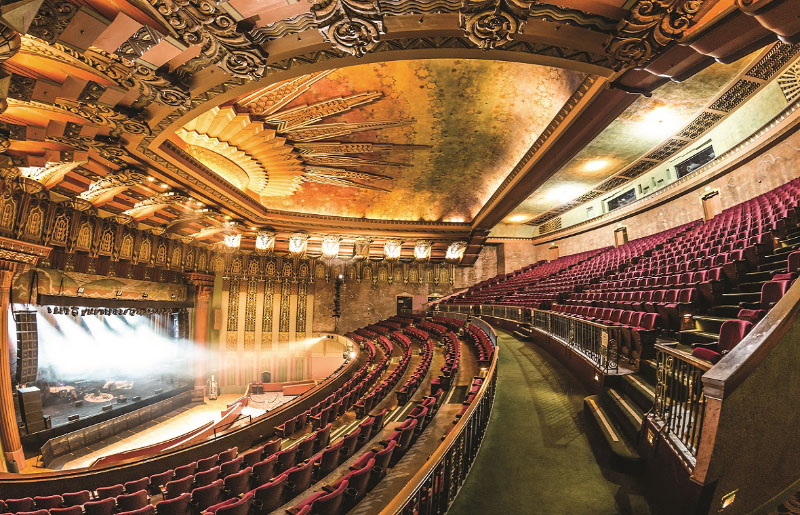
<point>203,287</point>
<point>14,257</point>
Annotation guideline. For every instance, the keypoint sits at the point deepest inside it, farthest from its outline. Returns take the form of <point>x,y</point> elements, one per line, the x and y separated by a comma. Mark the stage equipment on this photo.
<point>30,407</point>
<point>27,347</point>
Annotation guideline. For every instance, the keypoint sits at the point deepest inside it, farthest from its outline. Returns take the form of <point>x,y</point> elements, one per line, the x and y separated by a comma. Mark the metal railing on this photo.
<point>599,343</point>
<point>680,402</point>
<point>434,487</point>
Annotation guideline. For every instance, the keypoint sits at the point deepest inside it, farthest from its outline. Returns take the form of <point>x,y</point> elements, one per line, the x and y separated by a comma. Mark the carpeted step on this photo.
<point>709,323</point>
<point>697,336</point>
<point>758,276</point>
<point>726,310</point>
<point>611,433</point>
<point>639,391</point>
<point>625,413</point>
<point>776,268</point>
<point>522,336</point>
<point>647,371</point>
<point>735,298</point>
<point>754,286</point>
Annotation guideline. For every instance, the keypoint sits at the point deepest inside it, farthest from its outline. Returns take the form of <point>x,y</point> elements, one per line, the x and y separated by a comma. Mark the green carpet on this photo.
<point>536,456</point>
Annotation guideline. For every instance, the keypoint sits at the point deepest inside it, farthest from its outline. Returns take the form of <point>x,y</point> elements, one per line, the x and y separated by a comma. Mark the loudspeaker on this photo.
<point>107,407</point>
<point>34,426</point>
<point>48,423</point>
<point>159,391</point>
<point>121,399</point>
<point>77,404</point>
<point>73,418</point>
<point>27,346</point>
<point>30,404</point>
<point>266,377</point>
<point>137,398</point>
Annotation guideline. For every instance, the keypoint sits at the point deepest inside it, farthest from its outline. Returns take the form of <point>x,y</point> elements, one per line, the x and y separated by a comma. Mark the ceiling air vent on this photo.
<point>551,225</point>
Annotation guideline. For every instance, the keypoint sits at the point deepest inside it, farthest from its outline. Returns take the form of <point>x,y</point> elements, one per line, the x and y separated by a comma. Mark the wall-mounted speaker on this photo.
<point>27,347</point>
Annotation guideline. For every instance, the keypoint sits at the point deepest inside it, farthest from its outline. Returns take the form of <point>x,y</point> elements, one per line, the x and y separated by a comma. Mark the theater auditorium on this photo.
<point>413,257</point>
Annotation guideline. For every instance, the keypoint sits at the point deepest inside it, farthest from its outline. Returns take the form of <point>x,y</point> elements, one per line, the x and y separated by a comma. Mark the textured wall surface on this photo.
<point>514,254</point>
<point>364,303</point>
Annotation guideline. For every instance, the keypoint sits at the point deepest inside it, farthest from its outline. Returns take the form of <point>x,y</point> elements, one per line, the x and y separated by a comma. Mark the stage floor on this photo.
<point>145,388</point>
<point>163,428</point>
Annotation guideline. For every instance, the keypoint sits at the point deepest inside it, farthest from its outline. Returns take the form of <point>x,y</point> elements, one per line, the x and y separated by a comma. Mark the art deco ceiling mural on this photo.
<point>405,140</point>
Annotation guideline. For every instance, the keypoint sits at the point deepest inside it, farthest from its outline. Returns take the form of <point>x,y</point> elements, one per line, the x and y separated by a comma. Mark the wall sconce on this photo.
<point>455,251</point>
<point>361,248</point>
<point>233,241</point>
<point>298,243</point>
<point>392,249</point>
<point>80,290</point>
<point>422,250</point>
<point>330,246</point>
<point>265,240</point>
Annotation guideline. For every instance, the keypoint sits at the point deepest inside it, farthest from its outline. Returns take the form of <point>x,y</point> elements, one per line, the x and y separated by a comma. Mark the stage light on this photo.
<point>80,290</point>
<point>341,277</point>
<point>118,293</point>
<point>172,296</point>
<point>144,295</point>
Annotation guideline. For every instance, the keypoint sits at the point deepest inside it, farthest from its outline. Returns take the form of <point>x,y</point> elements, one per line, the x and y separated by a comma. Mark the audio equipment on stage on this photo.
<point>266,376</point>
<point>48,422</point>
<point>121,399</point>
<point>27,347</point>
<point>77,404</point>
<point>73,418</point>
<point>137,398</point>
<point>107,407</point>
<point>30,407</point>
<point>159,391</point>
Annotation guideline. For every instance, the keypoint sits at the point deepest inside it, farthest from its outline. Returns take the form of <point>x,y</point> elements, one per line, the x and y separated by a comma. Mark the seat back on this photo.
<point>134,501</point>
<point>46,502</point>
<point>208,495</point>
<point>240,507</point>
<point>286,458</point>
<point>206,477</point>
<point>207,463</point>
<point>76,498</point>
<point>268,497</point>
<point>772,292</point>
<point>101,507</point>
<point>177,506</point>
<point>177,487</point>
<point>731,333</point>
<point>330,504</point>
<point>228,454</point>
<point>265,470</point>
<point>231,467</point>
<point>21,504</point>
<point>751,315</point>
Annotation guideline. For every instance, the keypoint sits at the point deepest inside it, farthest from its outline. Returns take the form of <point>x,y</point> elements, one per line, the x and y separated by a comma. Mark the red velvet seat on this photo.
<point>265,470</point>
<point>238,483</point>
<point>269,496</point>
<point>237,507</point>
<point>751,315</point>
<point>46,502</point>
<point>231,466</point>
<point>76,498</point>
<point>322,503</point>
<point>157,481</point>
<point>71,510</point>
<point>185,470</point>
<point>253,456</point>
<point>208,495</point>
<point>144,510</point>
<point>176,506</point>
<point>177,487</point>
<point>134,486</point>
<point>21,504</point>
<point>305,448</point>
<point>329,459</point>
<point>299,477</point>
<point>228,454</point>
<point>730,334</point>
<point>207,463</point>
<point>286,458</point>
<point>134,501</point>
<point>206,477</point>
<point>102,507</point>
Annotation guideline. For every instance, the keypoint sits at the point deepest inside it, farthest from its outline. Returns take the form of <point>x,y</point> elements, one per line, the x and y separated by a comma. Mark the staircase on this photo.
<point>619,410</point>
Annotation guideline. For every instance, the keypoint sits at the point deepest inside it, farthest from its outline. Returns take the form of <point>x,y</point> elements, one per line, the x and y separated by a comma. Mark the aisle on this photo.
<point>535,457</point>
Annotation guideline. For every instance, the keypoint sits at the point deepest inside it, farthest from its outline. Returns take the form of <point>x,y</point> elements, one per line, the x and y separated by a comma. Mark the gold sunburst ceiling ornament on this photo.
<point>259,145</point>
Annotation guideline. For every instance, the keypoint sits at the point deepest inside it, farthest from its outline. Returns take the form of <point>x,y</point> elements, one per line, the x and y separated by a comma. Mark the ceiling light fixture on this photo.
<point>565,192</point>
<point>661,120</point>
<point>595,165</point>
<point>518,219</point>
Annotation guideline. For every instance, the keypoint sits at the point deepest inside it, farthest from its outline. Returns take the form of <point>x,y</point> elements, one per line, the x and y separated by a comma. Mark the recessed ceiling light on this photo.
<point>661,120</point>
<point>595,165</point>
<point>517,219</point>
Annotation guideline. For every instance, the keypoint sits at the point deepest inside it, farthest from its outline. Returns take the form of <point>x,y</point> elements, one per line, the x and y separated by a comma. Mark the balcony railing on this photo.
<point>436,484</point>
<point>679,406</point>
<point>595,341</point>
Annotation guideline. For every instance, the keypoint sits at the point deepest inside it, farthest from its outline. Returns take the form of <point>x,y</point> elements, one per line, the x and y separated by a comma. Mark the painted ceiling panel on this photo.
<point>451,131</point>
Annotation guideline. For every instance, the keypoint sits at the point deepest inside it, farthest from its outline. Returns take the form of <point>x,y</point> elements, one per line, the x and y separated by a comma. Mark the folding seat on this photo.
<point>46,502</point>
<point>253,456</point>
<point>377,425</point>
<point>228,454</point>
<point>305,448</point>
<point>299,478</point>
<point>177,506</point>
<point>76,498</point>
<point>101,507</point>
<point>72,510</point>
<point>105,492</point>
<point>616,314</point>
<point>134,486</point>
<point>322,438</point>
<point>322,503</point>
<point>670,297</point>
<point>134,501</point>
<point>269,496</point>
<point>286,429</point>
<point>144,510</point>
<point>206,477</point>
<point>321,419</point>
<point>365,428</point>
<point>382,459</point>
<point>177,487</point>
<point>772,292</point>
<point>35,512</point>
<point>272,447</point>
<point>357,484</point>
<point>264,470</point>
<point>287,459</point>
<point>21,504</point>
<point>751,315</point>
<point>656,299</point>
<point>403,435</point>
<point>237,506</point>
<point>730,334</point>
<point>207,463</point>
<point>207,495</point>
<point>328,460</point>
<point>231,467</point>
<point>238,483</point>
<point>185,470</point>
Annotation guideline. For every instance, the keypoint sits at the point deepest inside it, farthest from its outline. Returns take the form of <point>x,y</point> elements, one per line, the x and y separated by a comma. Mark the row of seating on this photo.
<point>405,392</point>
<point>480,340</point>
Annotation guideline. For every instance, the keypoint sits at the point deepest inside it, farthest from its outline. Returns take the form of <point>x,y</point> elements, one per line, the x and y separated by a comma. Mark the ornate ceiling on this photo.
<point>402,140</point>
<point>386,120</point>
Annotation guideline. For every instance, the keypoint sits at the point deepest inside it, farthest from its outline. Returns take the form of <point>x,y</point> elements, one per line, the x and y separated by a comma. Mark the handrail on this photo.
<point>597,342</point>
<point>441,465</point>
